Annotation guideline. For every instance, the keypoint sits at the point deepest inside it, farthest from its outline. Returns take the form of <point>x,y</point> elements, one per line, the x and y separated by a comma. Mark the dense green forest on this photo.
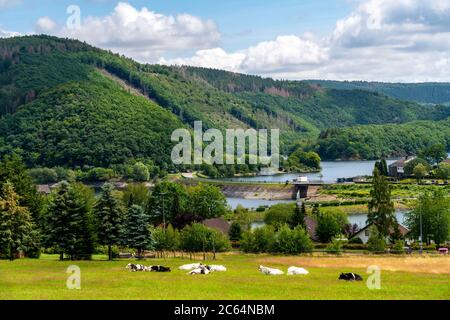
<point>377,141</point>
<point>66,103</point>
<point>430,92</point>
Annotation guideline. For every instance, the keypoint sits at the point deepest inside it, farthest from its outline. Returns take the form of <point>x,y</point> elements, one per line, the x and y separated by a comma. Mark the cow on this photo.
<point>350,277</point>
<point>270,271</point>
<point>163,269</point>
<point>200,270</point>
<point>136,267</point>
<point>188,267</point>
<point>216,268</point>
<point>296,270</point>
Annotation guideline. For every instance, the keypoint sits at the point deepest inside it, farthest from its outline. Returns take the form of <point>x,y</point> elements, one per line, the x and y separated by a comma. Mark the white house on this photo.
<point>365,233</point>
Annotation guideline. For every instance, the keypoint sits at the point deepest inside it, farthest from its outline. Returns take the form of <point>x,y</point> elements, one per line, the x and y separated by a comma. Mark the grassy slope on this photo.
<point>46,279</point>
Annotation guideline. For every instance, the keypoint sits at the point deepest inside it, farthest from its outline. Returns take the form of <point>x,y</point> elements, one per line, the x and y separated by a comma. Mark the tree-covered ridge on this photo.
<point>93,122</point>
<point>377,141</point>
<point>323,108</point>
<point>430,92</point>
<point>47,75</point>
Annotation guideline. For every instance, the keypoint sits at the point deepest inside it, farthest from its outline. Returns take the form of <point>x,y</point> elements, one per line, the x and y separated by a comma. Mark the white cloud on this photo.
<point>144,34</point>
<point>213,58</point>
<point>45,25</point>
<point>7,34</point>
<point>286,53</point>
<point>384,40</point>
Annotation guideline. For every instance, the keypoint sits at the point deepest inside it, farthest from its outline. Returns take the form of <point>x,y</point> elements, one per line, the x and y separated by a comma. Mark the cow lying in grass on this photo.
<point>204,269</point>
<point>296,270</point>
<point>189,267</point>
<point>136,267</point>
<point>270,271</point>
<point>350,277</point>
<point>159,269</point>
<point>142,268</point>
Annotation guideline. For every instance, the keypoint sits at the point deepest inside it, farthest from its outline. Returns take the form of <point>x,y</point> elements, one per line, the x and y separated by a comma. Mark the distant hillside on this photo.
<point>376,141</point>
<point>430,92</point>
<point>63,102</point>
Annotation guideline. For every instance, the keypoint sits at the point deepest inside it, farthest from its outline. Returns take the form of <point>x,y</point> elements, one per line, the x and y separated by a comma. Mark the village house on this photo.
<point>365,233</point>
<point>397,169</point>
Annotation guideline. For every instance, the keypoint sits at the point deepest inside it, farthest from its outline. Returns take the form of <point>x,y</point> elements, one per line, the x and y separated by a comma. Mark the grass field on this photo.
<point>401,278</point>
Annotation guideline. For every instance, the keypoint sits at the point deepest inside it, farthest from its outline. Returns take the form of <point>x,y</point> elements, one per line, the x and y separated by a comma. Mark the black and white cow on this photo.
<point>160,269</point>
<point>350,277</point>
<point>135,267</point>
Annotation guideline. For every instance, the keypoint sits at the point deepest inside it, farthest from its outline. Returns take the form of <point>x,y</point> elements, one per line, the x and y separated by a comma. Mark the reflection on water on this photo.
<point>331,171</point>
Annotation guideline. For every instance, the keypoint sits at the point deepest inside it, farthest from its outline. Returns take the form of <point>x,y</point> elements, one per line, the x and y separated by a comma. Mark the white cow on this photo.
<point>216,268</point>
<point>188,267</point>
<point>270,271</point>
<point>200,270</point>
<point>296,270</point>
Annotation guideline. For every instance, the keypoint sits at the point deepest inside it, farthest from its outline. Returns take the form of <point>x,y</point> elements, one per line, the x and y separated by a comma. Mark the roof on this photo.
<point>219,224</point>
<point>311,226</point>
<point>43,188</point>
<point>447,161</point>
<point>403,230</point>
<point>402,161</point>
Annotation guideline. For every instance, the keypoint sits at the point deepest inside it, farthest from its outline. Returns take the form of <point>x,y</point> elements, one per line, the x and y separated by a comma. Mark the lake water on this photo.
<point>253,203</point>
<point>331,171</point>
<point>358,219</point>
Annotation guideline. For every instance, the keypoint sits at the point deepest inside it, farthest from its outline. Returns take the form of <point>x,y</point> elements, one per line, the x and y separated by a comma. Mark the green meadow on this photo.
<point>401,278</point>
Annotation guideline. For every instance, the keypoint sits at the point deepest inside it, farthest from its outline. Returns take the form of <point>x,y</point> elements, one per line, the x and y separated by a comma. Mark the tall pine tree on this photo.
<point>16,226</point>
<point>381,207</point>
<point>136,232</point>
<point>68,223</point>
<point>109,218</point>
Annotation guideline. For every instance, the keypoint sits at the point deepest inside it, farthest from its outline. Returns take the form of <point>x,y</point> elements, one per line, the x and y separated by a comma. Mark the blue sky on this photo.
<point>242,22</point>
<point>376,40</point>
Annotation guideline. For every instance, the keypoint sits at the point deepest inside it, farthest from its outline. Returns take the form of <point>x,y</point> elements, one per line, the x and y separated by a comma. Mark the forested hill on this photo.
<point>430,92</point>
<point>64,102</point>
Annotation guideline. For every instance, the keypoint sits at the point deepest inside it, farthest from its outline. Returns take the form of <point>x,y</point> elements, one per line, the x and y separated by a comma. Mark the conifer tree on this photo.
<point>16,226</point>
<point>381,207</point>
<point>136,231</point>
<point>109,218</point>
<point>68,223</point>
<point>298,217</point>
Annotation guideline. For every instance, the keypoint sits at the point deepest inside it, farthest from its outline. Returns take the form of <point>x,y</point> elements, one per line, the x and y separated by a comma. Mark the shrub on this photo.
<point>376,243</point>
<point>335,247</point>
<point>285,240</point>
<point>43,175</point>
<point>199,238</point>
<point>355,240</point>
<point>140,172</point>
<point>279,214</point>
<point>235,232</point>
<point>259,240</point>
<point>398,247</point>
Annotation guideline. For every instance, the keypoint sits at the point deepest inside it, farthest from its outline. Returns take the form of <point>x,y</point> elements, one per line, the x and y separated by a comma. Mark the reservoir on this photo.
<point>331,171</point>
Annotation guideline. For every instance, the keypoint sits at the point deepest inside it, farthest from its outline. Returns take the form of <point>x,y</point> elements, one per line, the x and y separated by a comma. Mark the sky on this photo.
<point>372,40</point>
